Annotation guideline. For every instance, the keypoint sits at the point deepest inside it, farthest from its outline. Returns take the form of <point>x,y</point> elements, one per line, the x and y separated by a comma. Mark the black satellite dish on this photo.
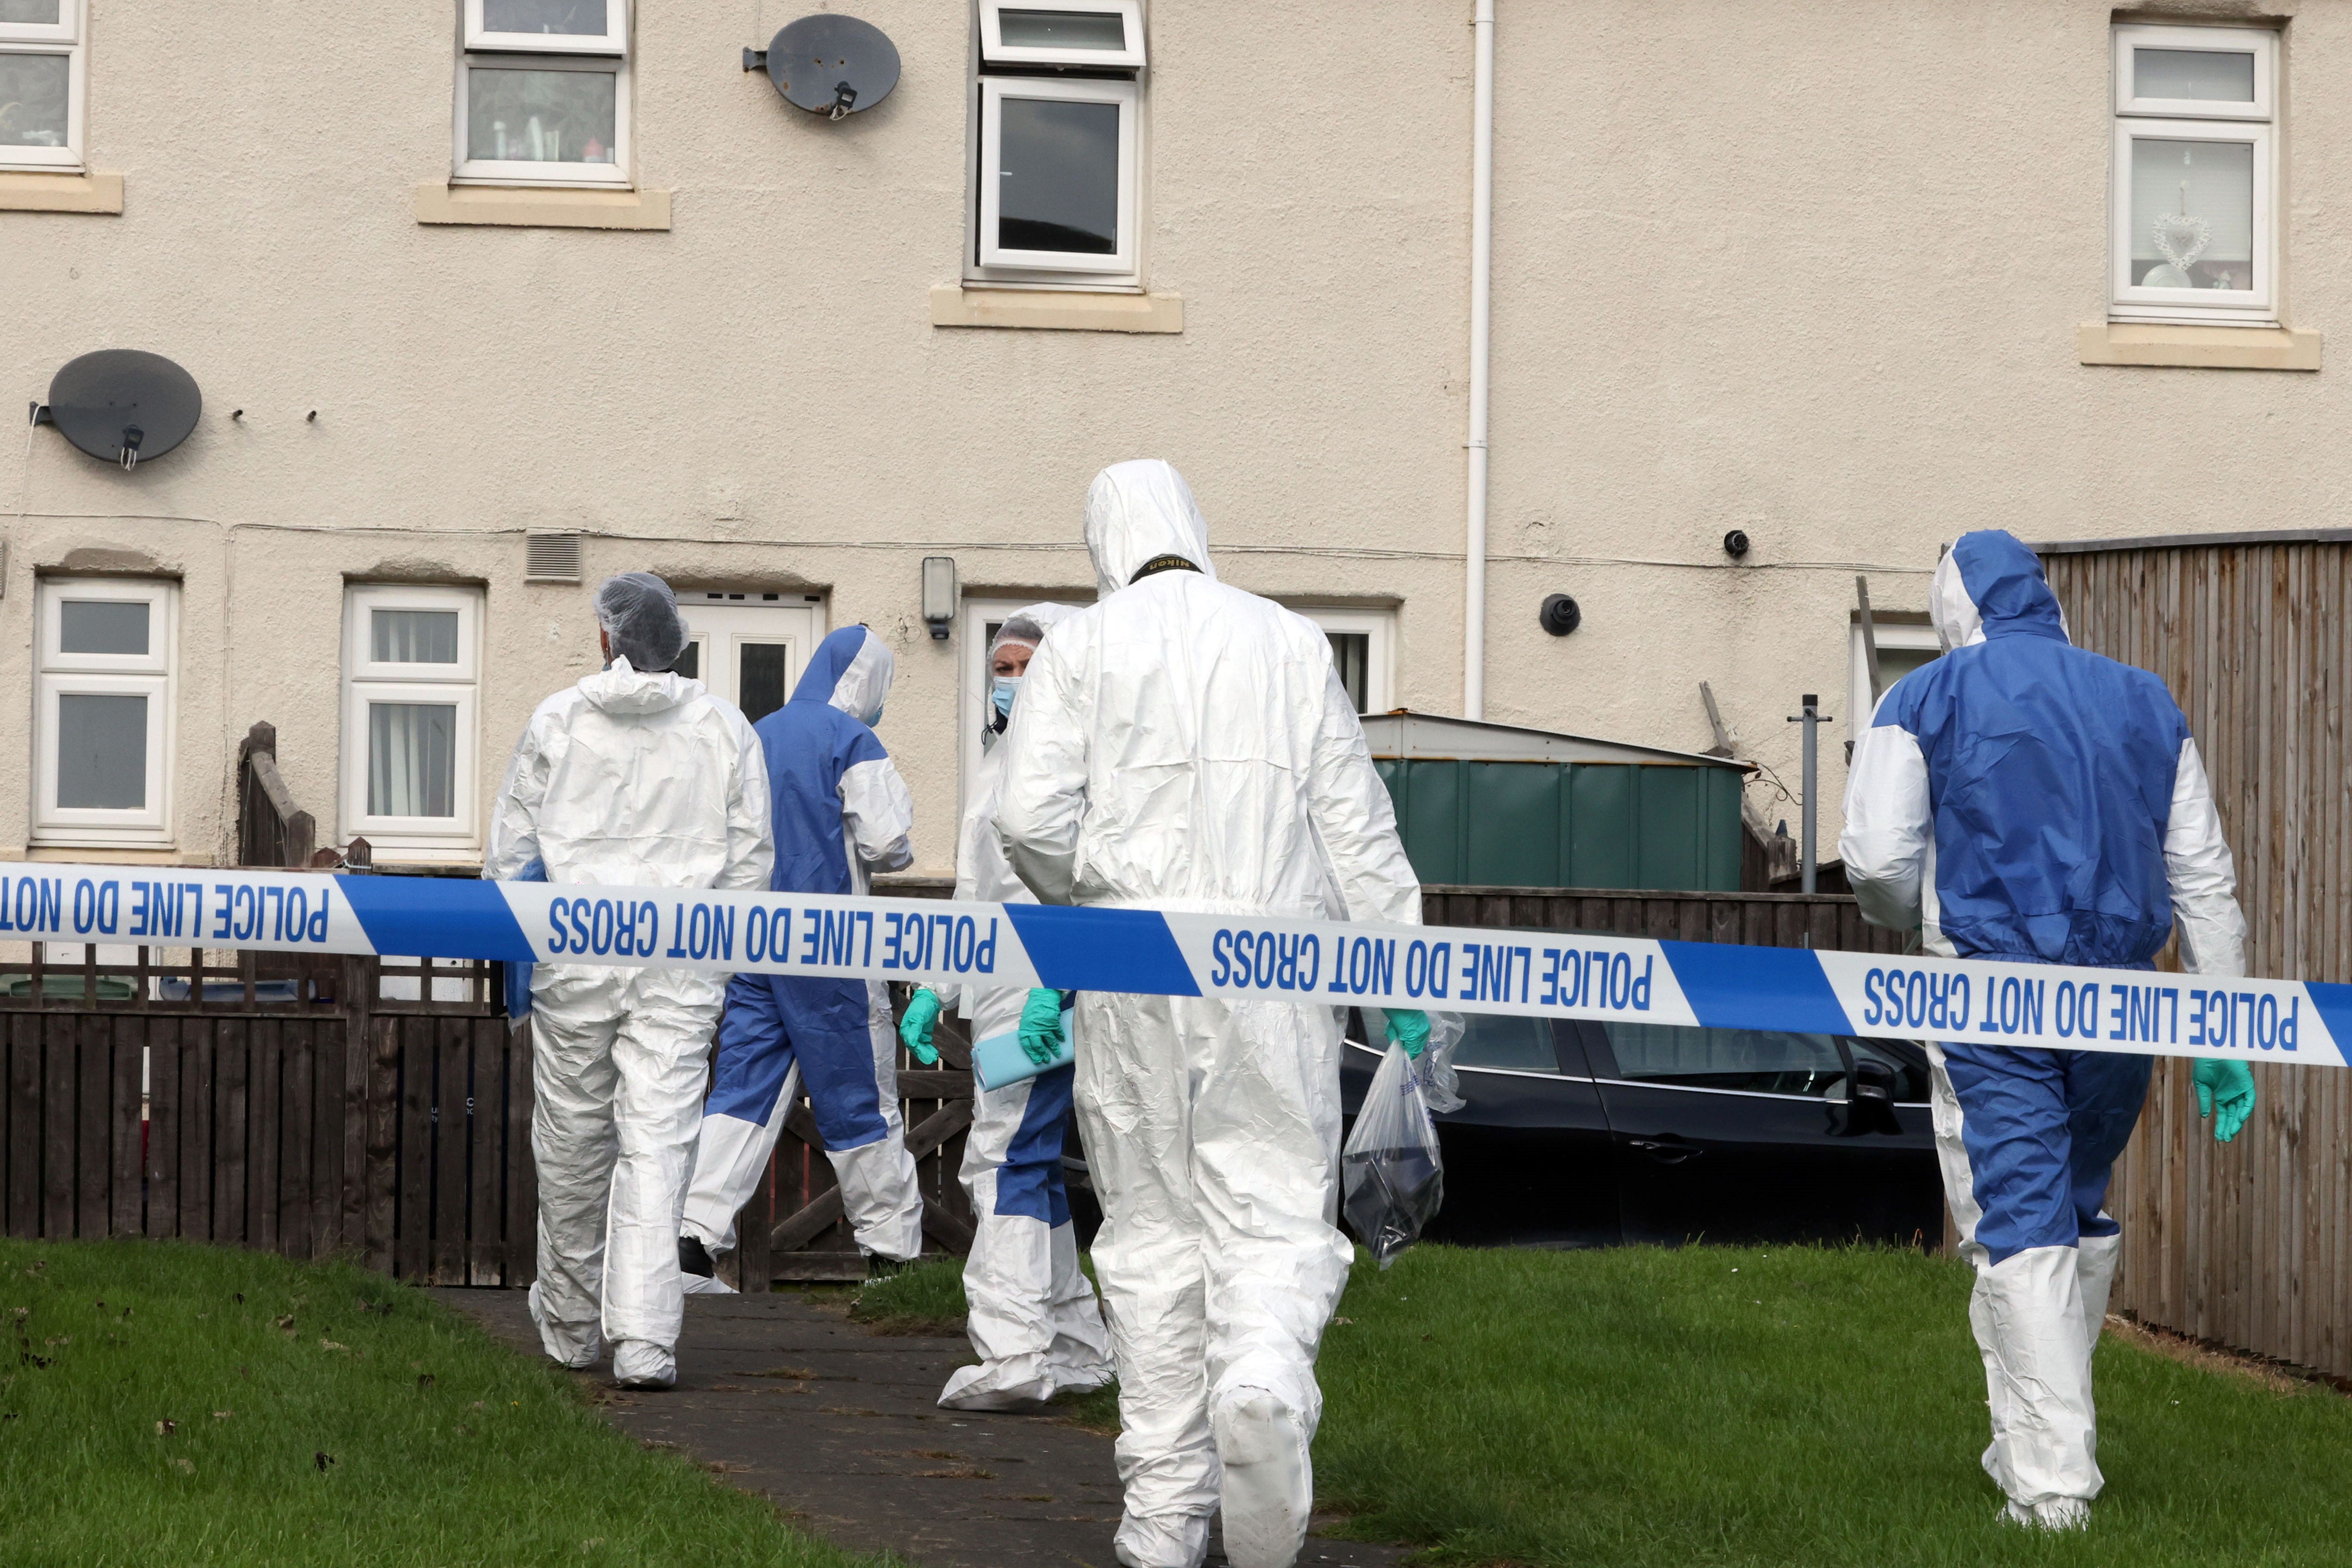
<point>124,405</point>
<point>829,65</point>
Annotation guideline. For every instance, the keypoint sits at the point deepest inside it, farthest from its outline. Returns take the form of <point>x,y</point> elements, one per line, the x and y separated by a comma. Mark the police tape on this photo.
<point>1543,974</point>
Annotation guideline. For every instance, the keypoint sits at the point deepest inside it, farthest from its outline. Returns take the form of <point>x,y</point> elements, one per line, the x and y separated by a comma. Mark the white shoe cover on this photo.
<point>1163,1541</point>
<point>2055,1513</point>
<point>1019,1384</point>
<point>1268,1490</point>
<point>705,1285</point>
<point>641,1364</point>
<point>577,1348</point>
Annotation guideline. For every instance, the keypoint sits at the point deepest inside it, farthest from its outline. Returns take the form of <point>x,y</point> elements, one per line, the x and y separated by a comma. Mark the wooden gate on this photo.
<point>2248,1244</point>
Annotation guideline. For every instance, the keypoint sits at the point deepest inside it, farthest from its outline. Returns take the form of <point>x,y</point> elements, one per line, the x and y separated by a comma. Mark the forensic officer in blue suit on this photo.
<point>840,811</point>
<point>1032,1319</point>
<point>2021,799</point>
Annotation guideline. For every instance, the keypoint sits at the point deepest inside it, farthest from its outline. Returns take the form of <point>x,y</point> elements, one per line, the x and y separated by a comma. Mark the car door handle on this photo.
<point>1666,1151</point>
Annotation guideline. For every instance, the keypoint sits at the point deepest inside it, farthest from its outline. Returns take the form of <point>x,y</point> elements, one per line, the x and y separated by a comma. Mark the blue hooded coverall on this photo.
<point>839,809</point>
<point>2023,799</point>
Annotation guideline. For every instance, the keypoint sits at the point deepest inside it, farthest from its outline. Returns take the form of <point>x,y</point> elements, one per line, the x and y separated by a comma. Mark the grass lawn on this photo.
<point>170,1403</point>
<point>1646,1408</point>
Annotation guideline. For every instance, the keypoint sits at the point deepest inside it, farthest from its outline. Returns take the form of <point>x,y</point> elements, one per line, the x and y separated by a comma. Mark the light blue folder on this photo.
<point>999,1060</point>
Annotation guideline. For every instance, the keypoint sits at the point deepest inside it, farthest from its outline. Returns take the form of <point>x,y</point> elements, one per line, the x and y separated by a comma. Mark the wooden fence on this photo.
<point>305,1112</point>
<point>2251,1244</point>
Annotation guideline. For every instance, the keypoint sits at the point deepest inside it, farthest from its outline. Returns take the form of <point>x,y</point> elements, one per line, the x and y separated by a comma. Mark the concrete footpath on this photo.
<point>787,1398</point>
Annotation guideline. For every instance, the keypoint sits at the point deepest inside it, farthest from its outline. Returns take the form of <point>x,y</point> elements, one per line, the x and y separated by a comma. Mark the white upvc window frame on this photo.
<point>1892,636</point>
<point>67,36</point>
<point>154,675</point>
<point>994,51</point>
<point>367,679</point>
<point>612,40</point>
<point>535,51</point>
<point>2255,123</point>
<point>1378,628</point>
<point>1121,266</point>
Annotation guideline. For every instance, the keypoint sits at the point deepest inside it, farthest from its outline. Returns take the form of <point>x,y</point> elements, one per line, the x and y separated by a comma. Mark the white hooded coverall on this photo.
<point>1184,745</point>
<point>1032,1310</point>
<point>624,780</point>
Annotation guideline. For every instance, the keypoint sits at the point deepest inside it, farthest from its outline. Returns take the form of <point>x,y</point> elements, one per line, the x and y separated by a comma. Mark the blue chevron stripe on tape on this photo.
<point>1102,950</point>
<point>436,917</point>
<point>1727,985</point>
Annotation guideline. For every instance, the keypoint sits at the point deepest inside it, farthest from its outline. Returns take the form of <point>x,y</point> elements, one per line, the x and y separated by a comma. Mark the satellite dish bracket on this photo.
<point>40,414</point>
<point>755,59</point>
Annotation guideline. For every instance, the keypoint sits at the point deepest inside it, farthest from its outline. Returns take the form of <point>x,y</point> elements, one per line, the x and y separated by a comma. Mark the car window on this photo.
<point>1762,1061</point>
<point>1523,1045</point>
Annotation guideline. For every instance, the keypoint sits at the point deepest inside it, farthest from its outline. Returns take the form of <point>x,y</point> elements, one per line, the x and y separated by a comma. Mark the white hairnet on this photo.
<point>639,614</point>
<point>1137,511</point>
<point>1028,626</point>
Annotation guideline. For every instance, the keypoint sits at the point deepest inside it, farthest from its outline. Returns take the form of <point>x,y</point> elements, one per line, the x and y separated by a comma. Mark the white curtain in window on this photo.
<point>412,759</point>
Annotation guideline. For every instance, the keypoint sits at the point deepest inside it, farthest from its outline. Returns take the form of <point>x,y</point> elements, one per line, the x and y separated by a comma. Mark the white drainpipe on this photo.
<point>1481,252</point>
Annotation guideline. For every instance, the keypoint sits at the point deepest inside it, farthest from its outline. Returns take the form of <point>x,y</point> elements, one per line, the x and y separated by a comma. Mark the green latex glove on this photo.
<point>1408,1028</point>
<point>915,1028</point>
<point>1041,1025</point>
<point>2225,1091</point>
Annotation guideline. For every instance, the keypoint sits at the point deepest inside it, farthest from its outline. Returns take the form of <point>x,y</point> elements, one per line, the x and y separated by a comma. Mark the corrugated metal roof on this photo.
<point>1405,735</point>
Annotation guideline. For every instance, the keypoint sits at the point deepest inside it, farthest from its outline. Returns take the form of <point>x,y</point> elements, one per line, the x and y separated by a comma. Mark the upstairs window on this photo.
<point>1059,108</point>
<point>2196,163</point>
<point>41,78</point>
<point>543,93</point>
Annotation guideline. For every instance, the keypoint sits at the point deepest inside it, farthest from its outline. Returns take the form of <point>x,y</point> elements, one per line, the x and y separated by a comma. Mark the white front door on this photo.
<point>749,649</point>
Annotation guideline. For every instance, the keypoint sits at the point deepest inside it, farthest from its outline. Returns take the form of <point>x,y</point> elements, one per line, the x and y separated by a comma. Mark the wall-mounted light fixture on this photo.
<point>938,594</point>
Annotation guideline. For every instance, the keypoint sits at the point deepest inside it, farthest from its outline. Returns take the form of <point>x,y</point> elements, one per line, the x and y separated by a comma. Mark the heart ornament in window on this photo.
<point>2182,239</point>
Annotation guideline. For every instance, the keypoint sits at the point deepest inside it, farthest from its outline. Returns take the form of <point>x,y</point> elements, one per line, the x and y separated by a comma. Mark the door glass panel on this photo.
<point>102,752</point>
<point>412,759</point>
<point>1063,30</point>
<point>760,678</point>
<point>570,16</point>
<point>1758,1060</point>
<point>2213,76</point>
<point>102,625</point>
<point>39,13</point>
<point>540,116</point>
<point>1057,176</point>
<point>33,89</point>
<point>2192,214</point>
<point>413,637</point>
<point>1351,654</point>
<point>689,663</point>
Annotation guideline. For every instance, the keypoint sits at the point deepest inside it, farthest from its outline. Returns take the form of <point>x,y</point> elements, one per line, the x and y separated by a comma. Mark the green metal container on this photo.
<point>1498,805</point>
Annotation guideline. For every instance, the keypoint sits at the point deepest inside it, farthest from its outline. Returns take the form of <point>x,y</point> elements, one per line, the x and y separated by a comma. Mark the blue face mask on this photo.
<point>1007,688</point>
<point>877,719</point>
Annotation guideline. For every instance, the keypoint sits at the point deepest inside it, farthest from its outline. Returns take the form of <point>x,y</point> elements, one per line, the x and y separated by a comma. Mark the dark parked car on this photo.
<point>1584,1134</point>
<point>1587,1135</point>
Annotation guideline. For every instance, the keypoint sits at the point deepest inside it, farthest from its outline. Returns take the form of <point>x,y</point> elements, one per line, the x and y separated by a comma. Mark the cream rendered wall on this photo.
<point>1811,271</point>
<point>752,399</point>
<point>1815,272</point>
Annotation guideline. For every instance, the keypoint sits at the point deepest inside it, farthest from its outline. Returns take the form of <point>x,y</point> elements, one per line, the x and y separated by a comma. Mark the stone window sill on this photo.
<point>540,207</point>
<point>2202,348</point>
<point>1056,310</point>
<point>25,191</point>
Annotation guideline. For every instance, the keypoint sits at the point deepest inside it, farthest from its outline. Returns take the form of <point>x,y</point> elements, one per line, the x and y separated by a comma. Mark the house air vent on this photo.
<point>551,558</point>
